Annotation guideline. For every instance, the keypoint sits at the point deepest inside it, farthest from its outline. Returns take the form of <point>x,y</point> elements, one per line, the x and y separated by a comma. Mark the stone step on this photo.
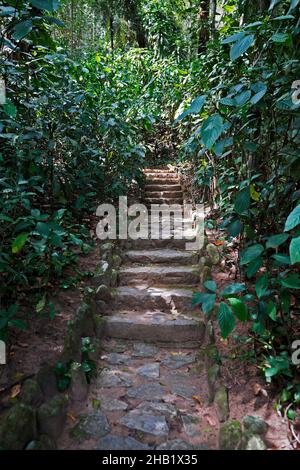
<point>159,298</point>
<point>167,180</point>
<point>160,170</point>
<point>154,327</point>
<point>163,187</point>
<point>155,274</point>
<point>161,256</point>
<point>163,200</point>
<point>164,194</point>
<point>149,243</point>
<point>162,175</point>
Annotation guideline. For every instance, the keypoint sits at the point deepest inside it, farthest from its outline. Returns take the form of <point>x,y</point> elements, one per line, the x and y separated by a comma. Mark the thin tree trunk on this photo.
<point>213,14</point>
<point>203,25</point>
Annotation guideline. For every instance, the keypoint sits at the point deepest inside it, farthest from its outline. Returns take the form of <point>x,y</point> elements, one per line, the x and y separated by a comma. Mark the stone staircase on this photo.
<point>157,280</point>
<point>151,386</point>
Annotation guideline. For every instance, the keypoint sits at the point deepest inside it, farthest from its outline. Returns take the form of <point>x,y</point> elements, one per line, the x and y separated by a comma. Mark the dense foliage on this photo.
<point>88,82</point>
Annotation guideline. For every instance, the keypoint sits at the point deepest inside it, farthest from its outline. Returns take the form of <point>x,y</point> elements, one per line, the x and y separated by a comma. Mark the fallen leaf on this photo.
<point>15,391</point>
<point>197,399</point>
<point>71,417</point>
<point>219,243</point>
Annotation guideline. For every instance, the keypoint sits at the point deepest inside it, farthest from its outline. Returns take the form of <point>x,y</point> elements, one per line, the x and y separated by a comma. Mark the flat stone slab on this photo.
<point>153,327</point>
<point>184,390</point>
<point>166,275</point>
<point>114,378</point>
<point>117,359</point>
<point>176,361</point>
<point>112,442</point>
<point>165,409</point>
<point>150,371</point>
<point>148,391</point>
<point>146,422</point>
<point>89,426</point>
<point>109,404</point>
<point>144,350</point>
<point>161,256</point>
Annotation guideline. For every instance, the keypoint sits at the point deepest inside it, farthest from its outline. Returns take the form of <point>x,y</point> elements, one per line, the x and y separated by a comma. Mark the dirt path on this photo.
<point>151,390</point>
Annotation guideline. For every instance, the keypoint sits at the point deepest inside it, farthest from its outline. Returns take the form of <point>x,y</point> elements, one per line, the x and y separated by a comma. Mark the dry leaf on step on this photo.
<point>15,391</point>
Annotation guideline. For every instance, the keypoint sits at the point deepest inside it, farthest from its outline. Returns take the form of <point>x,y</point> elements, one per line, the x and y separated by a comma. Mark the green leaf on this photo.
<point>254,266</point>
<point>294,4</point>
<point>211,130</point>
<point>262,285</point>
<point>49,5</point>
<point>277,240</point>
<point>242,98</point>
<point>295,250</point>
<point>293,219</point>
<point>272,311</point>
<point>233,289</point>
<point>22,29</point>
<point>280,37</point>
<point>239,308</point>
<point>260,90</point>
<point>291,282</point>
<point>251,254</point>
<point>207,301</point>
<point>43,229</point>
<point>10,109</point>
<point>226,320</point>
<point>194,108</point>
<point>273,4</point>
<point>234,38</point>
<point>241,46</point>
<point>243,201</point>
<point>235,228</point>
<point>41,304</point>
<point>19,242</point>
<point>211,285</point>
<point>282,259</point>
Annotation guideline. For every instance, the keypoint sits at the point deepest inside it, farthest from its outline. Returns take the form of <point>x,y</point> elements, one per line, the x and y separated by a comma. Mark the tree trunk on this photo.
<point>213,14</point>
<point>203,26</point>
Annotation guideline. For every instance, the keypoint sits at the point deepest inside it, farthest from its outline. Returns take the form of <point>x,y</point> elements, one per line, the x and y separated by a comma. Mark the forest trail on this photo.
<point>151,388</point>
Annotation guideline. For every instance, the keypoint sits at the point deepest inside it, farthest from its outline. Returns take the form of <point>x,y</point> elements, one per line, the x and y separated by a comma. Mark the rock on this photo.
<point>52,416</point>
<point>256,443</point>
<point>114,277</point>
<point>191,425</point>
<point>111,404</point>
<point>17,427</point>
<point>31,393</point>
<point>102,274</point>
<point>255,425</point>
<point>184,390</point>
<point>205,274</point>
<point>148,423</point>
<point>213,254</point>
<point>165,409</point>
<point>112,442</point>
<point>221,403</point>
<point>117,359</point>
<point>83,325</point>
<point>231,436</point>
<point>175,361</point>
<point>212,375</point>
<point>47,381</point>
<point>103,293</point>
<point>144,350</point>
<point>79,385</point>
<point>117,261</point>
<point>90,426</point>
<point>109,379</point>
<point>44,443</point>
<point>150,391</point>
<point>150,371</point>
